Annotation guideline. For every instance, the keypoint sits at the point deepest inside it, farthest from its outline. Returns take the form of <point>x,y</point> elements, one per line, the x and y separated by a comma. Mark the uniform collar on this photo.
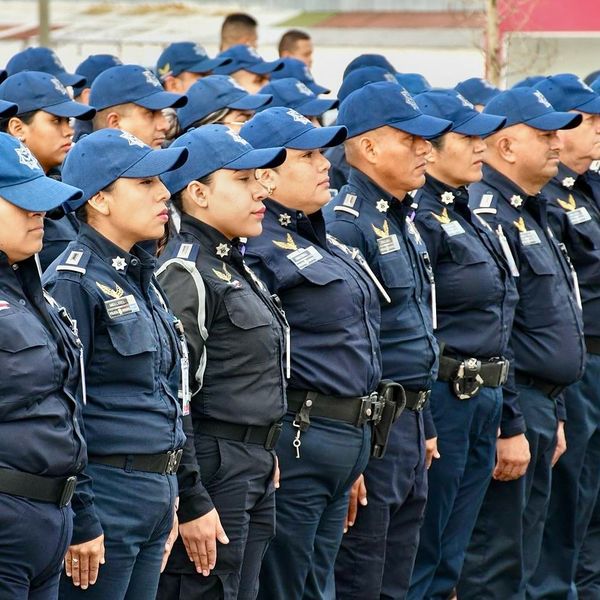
<point>373,194</point>
<point>510,191</point>
<point>446,195</point>
<point>217,245</point>
<point>567,178</point>
<point>311,227</point>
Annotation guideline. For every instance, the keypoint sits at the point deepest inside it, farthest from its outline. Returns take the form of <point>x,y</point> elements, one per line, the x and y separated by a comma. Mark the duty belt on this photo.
<point>164,464</point>
<point>59,491</point>
<point>469,375</point>
<point>356,410</point>
<point>263,435</point>
<point>550,389</point>
<point>416,400</point>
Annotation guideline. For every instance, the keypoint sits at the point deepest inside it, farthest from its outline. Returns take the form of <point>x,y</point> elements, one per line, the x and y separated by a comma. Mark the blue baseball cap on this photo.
<point>45,60</point>
<point>214,93</point>
<point>379,104</point>
<point>477,90</point>
<point>528,81</point>
<point>569,92</point>
<point>215,147</point>
<point>245,58</point>
<point>292,93</point>
<point>530,107</point>
<point>3,75</point>
<point>91,67</point>
<point>186,56</point>
<point>369,60</point>
<point>360,77</point>
<point>34,90</point>
<point>24,183</point>
<point>292,67</point>
<point>286,127</point>
<point>451,105</point>
<point>8,109</point>
<point>132,83</point>
<point>122,155</point>
<point>415,83</point>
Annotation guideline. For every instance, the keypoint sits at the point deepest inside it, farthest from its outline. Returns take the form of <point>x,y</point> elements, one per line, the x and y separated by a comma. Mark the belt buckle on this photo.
<point>467,381</point>
<point>173,461</point>
<point>273,435</point>
<point>367,409</point>
<point>67,491</point>
<point>423,397</point>
<point>504,371</point>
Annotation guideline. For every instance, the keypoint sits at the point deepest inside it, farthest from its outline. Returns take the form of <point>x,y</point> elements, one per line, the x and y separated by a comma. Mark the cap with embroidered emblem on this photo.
<point>292,93</point>
<point>360,77</point>
<point>186,56</point>
<point>569,92</point>
<point>415,83</point>
<point>245,58</point>
<point>293,67</point>
<point>369,60</point>
<point>477,90</point>
<point>45,60</point>
<point>91,67</point>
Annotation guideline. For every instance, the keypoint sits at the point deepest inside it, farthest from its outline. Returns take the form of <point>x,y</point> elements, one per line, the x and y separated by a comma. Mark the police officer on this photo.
<point>42,448</point>
<point>574,217</point>
<point>236,339</point>
<point>547,343</point>
<point>333,312</point>
<point>386,150</point>
<point>43,125</point>
<point>476,299</point>
<point>131,352</point>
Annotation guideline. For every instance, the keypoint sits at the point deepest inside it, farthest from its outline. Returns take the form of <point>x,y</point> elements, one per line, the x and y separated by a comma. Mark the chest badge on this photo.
<point>568,182</point>
<point>443,218</point>
<point>386,242</point>
<point>4,305</point>
<point>118,263</point>
<point>284,219</point>
<point>516,201</point>
<point>569,204</point>
<point>288,244</point>
<point>520,225</point>
<point>382,205</point>
<point>227,277</point>
<point>222,250</point>
<point>447,198</point>
<point>105,289</point>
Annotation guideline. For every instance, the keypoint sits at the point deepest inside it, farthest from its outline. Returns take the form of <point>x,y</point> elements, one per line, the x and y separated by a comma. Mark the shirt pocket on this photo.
<point>247,312</point>
<point>538,288</point>
<point>464,250</point>
<point>130,337</point>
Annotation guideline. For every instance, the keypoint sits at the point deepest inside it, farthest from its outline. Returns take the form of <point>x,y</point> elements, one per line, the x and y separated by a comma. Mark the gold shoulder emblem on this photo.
<point>223,275</point>
<point>289,243</point>
<point>384,231</point>
<point>443,218</point>
<point>116,293</point>
<point>568,204</point>
<point>520,225</point>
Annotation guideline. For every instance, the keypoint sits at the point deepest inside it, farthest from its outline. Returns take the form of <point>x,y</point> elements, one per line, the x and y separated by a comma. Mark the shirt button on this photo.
<point>21,301</point>
<point>135,262</point>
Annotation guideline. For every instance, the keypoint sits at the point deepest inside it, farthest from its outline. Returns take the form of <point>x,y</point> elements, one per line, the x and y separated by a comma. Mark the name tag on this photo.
<point>388,244</point>
<point>529,238</point>
<point>453,228</point>
<point>121,306</point>
<point>579,215</point>
<point>304,257</point>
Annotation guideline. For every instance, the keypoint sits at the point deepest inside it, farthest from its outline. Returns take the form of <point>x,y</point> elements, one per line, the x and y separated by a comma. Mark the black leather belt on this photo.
<point>468,375</point>
<point>265,435</point>
<point>164,464</point>
<point>416,400</point>
<point>59,491</point>
<point>592,344</point>
<point>549,388</point>
<point>356,410</point>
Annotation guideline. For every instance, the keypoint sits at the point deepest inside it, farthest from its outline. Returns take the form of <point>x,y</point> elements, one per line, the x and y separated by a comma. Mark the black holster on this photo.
<point>391,394</point>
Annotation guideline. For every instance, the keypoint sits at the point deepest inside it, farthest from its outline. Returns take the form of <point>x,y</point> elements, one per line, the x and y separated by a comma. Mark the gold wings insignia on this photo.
<point>116,293</point>
<point>289,243</point>
<point>384,231</point>
<point>162,71</point>
<point>520,225</point>
<point>569,204</point>
<point>443,218</point>
<point>223,275</point>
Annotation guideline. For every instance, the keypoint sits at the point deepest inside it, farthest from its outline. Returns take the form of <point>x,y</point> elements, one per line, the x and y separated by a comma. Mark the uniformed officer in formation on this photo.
<point>236,338</point>
<point>205,398</point>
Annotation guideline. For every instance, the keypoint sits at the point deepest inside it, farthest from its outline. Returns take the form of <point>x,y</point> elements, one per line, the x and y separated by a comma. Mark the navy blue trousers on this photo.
<point>136,512</point>
<point>587,575</point>
<point>312,504</point>
<point>575,485</point>
<point>467,432</point>
<point>506,541</point>
<point>377,554</point>
<point>239,479</point>
<point>34,538</point>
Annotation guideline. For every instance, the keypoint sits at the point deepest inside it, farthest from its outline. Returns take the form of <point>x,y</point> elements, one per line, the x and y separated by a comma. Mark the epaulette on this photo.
<point>348,205</point>
<point>187,251</point>
<point>75,260</point>
<point>486,205</point>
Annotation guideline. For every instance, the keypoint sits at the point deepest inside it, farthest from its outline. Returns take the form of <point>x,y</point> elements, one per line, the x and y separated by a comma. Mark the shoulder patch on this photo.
<point>346,209</point>
<point>75,260</point>
<point>349,200</point>
<point>486,204</point>
<point>188,251</point>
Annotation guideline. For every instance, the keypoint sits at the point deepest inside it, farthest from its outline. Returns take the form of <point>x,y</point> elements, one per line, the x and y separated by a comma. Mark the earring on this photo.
<point>270,189</point>
<point>21,138</point>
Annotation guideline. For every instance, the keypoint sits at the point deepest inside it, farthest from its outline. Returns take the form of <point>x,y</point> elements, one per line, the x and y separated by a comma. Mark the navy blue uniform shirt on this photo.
<point>476,292</point>
<point>366,217</point>
<point>547,338</point>
<point>574,217</point>
<point>331,305</point>
<point>130,348</point>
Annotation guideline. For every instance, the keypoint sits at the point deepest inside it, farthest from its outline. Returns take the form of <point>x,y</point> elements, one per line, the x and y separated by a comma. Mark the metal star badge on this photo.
<point>447,198</point>
<point>516,200</point>
<point>119,263</point>
<point>284,219</point>
<point>568,182</point>
<point>382,205</point>
<point>222,250</point>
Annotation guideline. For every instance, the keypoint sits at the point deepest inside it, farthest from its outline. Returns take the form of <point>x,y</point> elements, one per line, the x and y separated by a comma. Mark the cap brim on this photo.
<point>317,89</point>
<point>3,75</point>
<point>208,64</point>
<point>555,120</point>
<point>317,106</point>
<point>8,109</point>
<point>40,194</point>
<point>160,100</point>
<point>251,102</point>
<point>591,107</point>
<point>157,162</point>
<point>480,125</point>
<point>319,137</point>
<point>423,125</point>
<point>71,109</point>
<point>262,68</point>
<point>71,79</point>
<point>264,158</point>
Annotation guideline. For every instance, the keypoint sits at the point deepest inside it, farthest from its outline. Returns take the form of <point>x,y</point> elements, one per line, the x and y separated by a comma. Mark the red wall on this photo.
<point>549,15</point>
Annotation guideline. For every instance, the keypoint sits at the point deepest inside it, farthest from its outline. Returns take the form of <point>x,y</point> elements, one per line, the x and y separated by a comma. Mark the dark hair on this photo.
<point>26,117</point>
<point>242,20</point>
<point>438,142</point>
<point>82,212</point>
<point>177,197</point>
<point>290,38</point>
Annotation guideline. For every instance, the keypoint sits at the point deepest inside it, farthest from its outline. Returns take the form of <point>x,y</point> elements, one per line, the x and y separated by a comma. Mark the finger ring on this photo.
<point>74,560</point>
